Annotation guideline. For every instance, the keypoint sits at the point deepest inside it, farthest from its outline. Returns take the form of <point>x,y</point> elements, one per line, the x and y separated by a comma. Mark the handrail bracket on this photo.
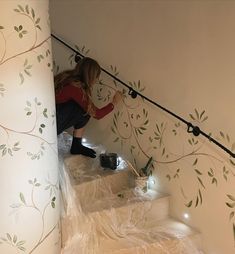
<point>193,129</point>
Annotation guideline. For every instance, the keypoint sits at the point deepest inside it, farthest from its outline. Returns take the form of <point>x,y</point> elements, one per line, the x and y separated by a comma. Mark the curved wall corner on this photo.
<point>29,186</point>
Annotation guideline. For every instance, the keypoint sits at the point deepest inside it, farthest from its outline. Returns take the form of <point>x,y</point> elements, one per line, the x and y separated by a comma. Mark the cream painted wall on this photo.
<point>183,54</point>
<point>29,187</point>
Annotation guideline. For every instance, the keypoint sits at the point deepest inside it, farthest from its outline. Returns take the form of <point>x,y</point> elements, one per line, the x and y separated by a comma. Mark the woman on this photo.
<point>74,105</point>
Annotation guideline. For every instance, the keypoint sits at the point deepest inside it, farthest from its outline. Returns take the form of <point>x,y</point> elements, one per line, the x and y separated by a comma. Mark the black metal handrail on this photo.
<point>133,93</point>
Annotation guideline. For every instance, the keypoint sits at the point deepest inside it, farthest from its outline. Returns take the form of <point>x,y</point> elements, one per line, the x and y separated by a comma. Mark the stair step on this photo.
<point>128,208</point>
<point>89,180</point>
<point>168,236</point>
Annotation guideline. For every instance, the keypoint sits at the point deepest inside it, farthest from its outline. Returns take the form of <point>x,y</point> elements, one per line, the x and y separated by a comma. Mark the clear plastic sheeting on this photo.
<point>104,213</point>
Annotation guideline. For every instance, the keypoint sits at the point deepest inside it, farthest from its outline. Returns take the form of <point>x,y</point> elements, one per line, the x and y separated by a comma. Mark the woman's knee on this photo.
<point>82,121</point>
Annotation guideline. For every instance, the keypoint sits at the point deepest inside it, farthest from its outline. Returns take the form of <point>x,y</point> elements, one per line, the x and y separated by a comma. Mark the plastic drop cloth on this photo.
<point>103,214</point>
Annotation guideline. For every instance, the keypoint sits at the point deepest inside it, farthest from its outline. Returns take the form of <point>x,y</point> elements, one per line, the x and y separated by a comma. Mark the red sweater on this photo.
<point>71,92</point>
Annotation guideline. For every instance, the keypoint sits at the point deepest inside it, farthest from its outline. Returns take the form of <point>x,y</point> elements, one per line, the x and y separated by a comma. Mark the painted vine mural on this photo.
<point>132,127</point>
<point>40,119</point>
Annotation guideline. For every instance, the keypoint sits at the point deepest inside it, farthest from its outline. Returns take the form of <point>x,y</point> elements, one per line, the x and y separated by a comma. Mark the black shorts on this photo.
<point>70,114</point>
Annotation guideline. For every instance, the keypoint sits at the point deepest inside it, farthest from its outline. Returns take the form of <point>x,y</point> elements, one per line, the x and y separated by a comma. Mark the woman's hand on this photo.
<point>117,98</point>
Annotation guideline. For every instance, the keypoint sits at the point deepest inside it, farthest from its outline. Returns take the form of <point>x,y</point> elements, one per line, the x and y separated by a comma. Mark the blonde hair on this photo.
<point>86,71</point>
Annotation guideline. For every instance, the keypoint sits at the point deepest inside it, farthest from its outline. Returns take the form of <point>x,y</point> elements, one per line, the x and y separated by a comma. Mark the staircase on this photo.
<point>104,213</point>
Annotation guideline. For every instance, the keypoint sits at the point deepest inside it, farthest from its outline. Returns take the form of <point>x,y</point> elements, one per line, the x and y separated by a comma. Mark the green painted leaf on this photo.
<point>168,177</point>
<point>120,195</point>
<point>17,143</point>
<point>21,248</point>
<point>28,67</point>
<point>158,128</point>
<point>231,205</point>
<point>112,129</point>
<point>233,146</point>
<point>225,177</point>
<point>200,196</point>
<point>232,162</point>
<point>197,114</point>
<point>139,131</point>
<point>16,28</point>
<point>176,176</point>
<point>37,21</point>
<point>27,72</point>
<point>4,151</point>
<point>22,198</point>
<point>209,173</point>
<point>234,231</point>
<point>205,118</point>
<point>192,116</point>
<point>202,114</point>
<point>189,204</point>
<point>115,140</point>
<point>231,197</point>
<point>200,181</point>
<point>20,243</point>
<point>27,9</point>
<point>9,151</point>
<point>126,124</point>
<point>195,162</point>
<point>197,201</point>
<point>214,180</point>
<point>2,146</point>
<point>38,27</point>
<point>21,8</point>
<point>21,78</point>
<point>33,13</point>
<point>9,237</point>
<point>198,172</point>
<point>231,215</point>
<point>222,134</point>
<point>14,239</point>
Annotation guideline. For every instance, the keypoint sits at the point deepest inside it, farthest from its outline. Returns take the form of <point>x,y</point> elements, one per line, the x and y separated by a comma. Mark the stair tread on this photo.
<point>82,169</point>
<point>123,198</point>
<point>163,232</point>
